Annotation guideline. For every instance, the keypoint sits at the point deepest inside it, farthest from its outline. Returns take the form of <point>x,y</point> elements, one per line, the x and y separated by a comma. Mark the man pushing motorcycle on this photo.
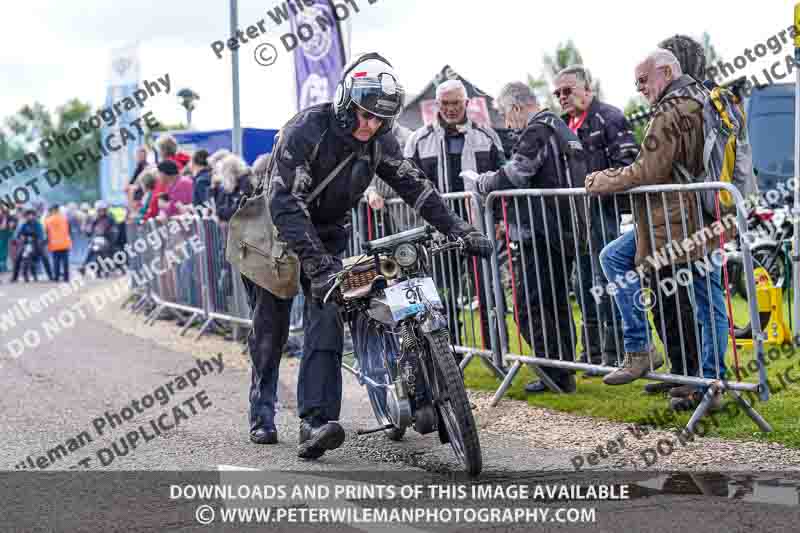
<point>354,131</point>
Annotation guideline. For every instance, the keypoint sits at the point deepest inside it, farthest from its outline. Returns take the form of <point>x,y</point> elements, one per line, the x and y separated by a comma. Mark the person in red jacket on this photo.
<point>167,150</point>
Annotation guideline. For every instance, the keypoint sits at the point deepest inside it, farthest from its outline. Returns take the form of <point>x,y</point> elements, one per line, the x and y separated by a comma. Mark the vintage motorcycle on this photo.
<point>401,342</point>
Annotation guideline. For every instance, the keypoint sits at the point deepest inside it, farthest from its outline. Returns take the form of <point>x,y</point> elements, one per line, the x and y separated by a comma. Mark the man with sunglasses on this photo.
<point>674,135</point>
<point>348,140</point>
<point>443,149</point>
<point>608,140</point>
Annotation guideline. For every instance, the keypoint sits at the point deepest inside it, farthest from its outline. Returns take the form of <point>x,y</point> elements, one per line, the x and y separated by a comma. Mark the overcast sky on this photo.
<point>54,50</point>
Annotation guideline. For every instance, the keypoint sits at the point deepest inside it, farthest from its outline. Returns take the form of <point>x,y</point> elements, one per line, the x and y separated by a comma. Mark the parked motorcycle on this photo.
<point>401,342</point>
<point>768,229</point>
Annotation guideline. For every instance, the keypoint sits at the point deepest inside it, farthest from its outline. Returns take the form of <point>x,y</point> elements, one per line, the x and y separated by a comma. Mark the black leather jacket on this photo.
<point>312,144</point>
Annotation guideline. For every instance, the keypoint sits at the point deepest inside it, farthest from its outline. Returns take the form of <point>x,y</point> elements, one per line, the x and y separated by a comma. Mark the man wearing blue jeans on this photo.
<point>616,260</point>
<point>707,302</point>
<point>664,220</point>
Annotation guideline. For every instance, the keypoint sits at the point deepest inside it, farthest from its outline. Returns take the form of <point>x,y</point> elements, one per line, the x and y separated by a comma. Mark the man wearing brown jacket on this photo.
<point>668,231</point>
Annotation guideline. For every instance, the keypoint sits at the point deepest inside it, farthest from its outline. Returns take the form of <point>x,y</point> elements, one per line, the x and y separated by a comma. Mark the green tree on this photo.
<point>636,110</point>
<point>712,56</point>
<point>8,150</point>
<point>34,123</point>
<point>566,54</point>
<point>69,116</point>
<point>169,127</point>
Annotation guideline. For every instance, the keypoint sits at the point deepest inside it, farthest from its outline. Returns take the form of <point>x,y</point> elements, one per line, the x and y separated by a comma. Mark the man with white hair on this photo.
<point>674,135</point>
<point>451,144</point>
<point>469,146</point>
<point>544,233</point>
<point>236,182</point>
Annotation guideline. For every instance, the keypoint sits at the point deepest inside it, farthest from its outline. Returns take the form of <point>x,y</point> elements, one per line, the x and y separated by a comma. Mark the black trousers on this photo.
<point>599,317</point>
<point>319,381</point>
<point>38,255</point>
<point>545,313</point>
<point>677,329</point>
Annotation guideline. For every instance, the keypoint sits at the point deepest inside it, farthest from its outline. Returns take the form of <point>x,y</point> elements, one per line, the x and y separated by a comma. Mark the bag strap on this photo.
<point>277,150</point>
<point>335,172</point>
<point>683,173</point>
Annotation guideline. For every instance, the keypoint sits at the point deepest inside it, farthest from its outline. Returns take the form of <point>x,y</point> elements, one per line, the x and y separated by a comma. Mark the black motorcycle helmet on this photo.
<point>370,83</point>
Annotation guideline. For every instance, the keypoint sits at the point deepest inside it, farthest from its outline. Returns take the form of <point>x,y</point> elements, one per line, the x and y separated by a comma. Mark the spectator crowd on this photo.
<point>458,155</point>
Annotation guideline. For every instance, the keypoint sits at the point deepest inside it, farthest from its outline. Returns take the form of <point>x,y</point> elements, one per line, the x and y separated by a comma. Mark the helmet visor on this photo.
<point>382,97</point>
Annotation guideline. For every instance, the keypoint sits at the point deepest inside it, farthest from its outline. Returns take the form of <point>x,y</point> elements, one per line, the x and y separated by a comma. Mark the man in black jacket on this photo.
<point>608,140</point>
<point>312,144</point>
<point>546,235</point>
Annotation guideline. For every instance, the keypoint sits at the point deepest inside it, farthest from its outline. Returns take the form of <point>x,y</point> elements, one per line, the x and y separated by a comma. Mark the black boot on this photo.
<point>317,436</point>
<point>264,436</point>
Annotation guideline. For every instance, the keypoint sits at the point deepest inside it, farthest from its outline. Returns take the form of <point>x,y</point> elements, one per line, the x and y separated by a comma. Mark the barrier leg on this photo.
<point>701,410</point>
<point>549,383</point>
<point>203,328</point>
<point>762,424</point>
<point>466,360</point>
<point>512,372</point>
<point>489,364</point>
<point>154,314</point>
<point>189,323</point>
<point>138,304</point>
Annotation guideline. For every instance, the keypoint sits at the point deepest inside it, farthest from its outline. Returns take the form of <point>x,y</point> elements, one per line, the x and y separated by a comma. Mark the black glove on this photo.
<point>322,273</point>
<point>476,243</point>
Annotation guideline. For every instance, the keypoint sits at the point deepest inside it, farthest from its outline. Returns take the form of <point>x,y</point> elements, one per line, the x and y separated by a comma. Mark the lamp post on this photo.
<point>187,98</point>
<point>236,141</point>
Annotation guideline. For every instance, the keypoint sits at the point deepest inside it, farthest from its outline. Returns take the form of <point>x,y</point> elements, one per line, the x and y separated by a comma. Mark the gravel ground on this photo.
<point>559,430</point>
<point>512,420</point>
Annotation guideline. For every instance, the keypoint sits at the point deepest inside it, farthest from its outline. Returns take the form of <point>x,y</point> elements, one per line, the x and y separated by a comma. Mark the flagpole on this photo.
<point>236,141</point>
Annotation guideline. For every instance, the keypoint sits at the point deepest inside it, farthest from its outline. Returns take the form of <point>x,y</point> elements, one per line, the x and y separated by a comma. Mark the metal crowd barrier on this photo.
<point>464,282</point>
<point>522,292</point>
<point>177,278</point>
<point>539,292</point>
<point>204,285</point>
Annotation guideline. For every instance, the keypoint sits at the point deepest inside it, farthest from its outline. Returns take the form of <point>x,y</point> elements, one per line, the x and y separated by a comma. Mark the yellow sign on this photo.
<point>797,25</point>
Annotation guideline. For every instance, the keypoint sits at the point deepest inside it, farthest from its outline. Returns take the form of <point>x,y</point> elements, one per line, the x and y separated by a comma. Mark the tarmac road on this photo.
<point>55,392</point>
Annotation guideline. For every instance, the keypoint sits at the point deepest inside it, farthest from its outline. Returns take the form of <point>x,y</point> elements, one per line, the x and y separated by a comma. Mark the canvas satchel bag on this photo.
<point>253,245</point>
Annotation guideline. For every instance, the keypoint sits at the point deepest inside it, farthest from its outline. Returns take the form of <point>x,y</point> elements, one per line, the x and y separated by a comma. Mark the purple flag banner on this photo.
<point>319,54</point>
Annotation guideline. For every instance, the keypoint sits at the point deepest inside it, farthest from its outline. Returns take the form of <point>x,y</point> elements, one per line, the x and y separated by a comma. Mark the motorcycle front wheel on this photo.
<point>453,404</point>
<point>369,343</point>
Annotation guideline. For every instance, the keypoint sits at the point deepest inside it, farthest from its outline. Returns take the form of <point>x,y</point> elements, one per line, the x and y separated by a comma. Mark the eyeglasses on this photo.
<point>451,103</point>
<point>642,80</point>
<point>566,91</point>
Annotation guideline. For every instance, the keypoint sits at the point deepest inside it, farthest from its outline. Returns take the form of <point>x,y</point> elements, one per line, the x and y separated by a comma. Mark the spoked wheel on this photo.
<point>453,404</point>
<point>369,344</point>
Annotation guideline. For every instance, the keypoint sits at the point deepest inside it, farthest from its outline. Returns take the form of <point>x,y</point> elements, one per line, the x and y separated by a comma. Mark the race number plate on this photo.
<point>406,299</point>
